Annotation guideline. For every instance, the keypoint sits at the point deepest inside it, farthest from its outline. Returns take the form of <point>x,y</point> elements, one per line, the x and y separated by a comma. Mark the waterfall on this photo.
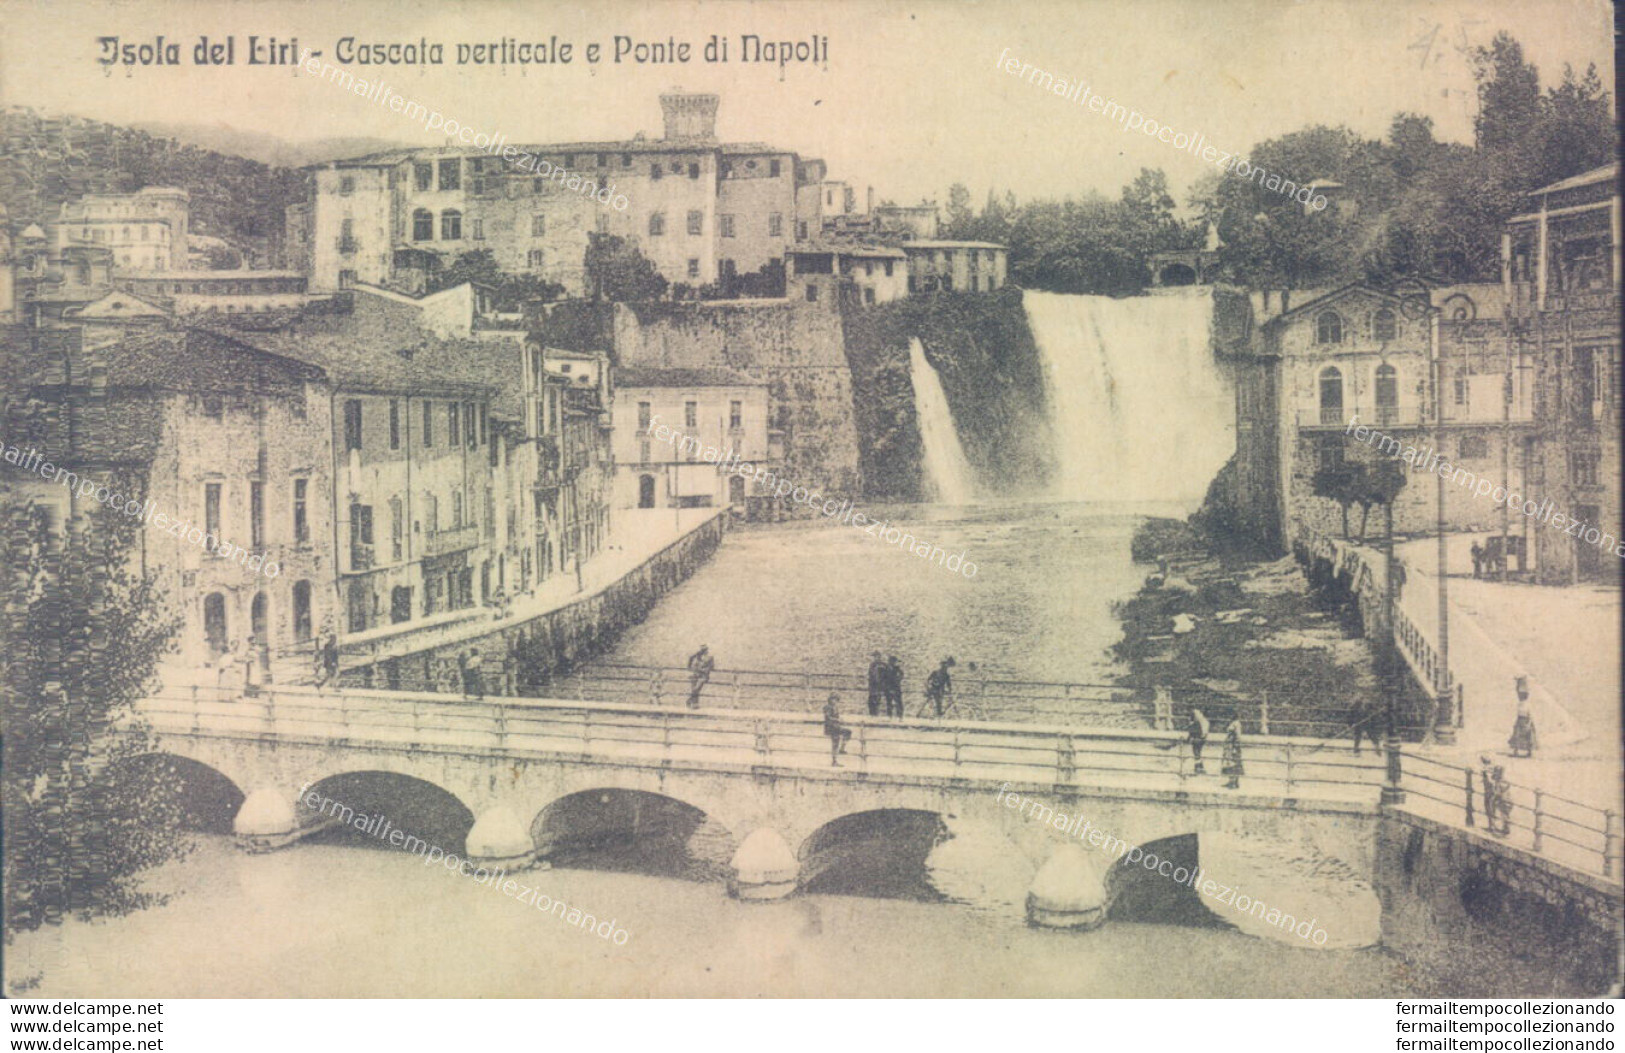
<point>1140,409</point>
<point>946,468</point>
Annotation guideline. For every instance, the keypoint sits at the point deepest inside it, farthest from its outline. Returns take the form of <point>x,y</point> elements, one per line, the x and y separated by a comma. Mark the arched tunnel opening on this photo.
<point>633,832</point>
<point>880,854</point>
<point>193,796</point>
<point>348,803</point>
<point>1138,894</point>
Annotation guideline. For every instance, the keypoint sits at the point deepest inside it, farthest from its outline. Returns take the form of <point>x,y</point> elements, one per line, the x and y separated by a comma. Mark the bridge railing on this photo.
<point>1050,755</point>
<point>1547,824</point>
<point>977,697</point>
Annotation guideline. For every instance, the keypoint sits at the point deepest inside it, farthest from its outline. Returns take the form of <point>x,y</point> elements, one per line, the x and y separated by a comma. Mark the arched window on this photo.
<point>301,611</point>
<point>423,225</point>
<point>1384,326</point>
<point>535,259</point>
<point>1387,393</point>
<point>1329,328</point>
<point>259,620</point>
<point>1331,395</point>
<point>451,225</point>
<point>646,491</point>
<point>657,224</point>
<point>214,624</point>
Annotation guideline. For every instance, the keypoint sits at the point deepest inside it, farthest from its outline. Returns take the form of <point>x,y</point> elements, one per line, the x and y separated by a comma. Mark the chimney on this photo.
<point>689,115</point>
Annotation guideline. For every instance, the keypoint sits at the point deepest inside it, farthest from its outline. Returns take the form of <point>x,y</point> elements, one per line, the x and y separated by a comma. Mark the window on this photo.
<point>1473,447</point>
<point>536,184</point>
<point>569,160</point>
<point>773,167</point>
<point>696,221</point>
<point>214,623</point>
<point>360,526</point>
<point>644,409</point>
<point>538,226</point>
<point>869,293</point>
<point>431,513</point>
<point>801,230</point>
<point>457,508</point>
<point>691,414</point>
<point>643,452</point>
<point>812,293</point>
<point>477,227</point>
<point>646,491</point>
<point>775,225</point>
<point>601,160</point>
<point>451,225</point>
<point>347,185</point>
<point>1331,395</point>
<point>256,513</point>
<point>422,225</point>
<point>1384,326</point>
<point>347,236</point>
<point>657,224</point>
<point>656,172</point>
<point>451,173</point>
<point>693,268</point>
<point>470,427</point>
<point>484,434</point>
<point>394,424</point>
<point>301,611</point>
<point>727,225</point>
<point>428,423</point>
<point>214,407</point>
<point>352,424</point>
<point>423,176</point>
<point>888,268</point>
<point>1387,392</point>
<point>626,160</point>
<point>452,428</point>
<point>1329,452</point>
<point>735,413</point>
<point>693,170</point>
<point>211,508</point>
<point>535,259</point>
<point>301,515</point>
<point>1583,467</point>
<point>1329,328</point>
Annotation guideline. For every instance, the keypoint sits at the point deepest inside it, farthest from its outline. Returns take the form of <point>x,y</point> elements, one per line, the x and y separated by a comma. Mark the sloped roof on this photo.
<point>1608,173</point>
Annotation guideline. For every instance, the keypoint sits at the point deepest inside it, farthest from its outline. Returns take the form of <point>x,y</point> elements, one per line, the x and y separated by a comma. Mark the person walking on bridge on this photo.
<point>1363,725</point>
<point>939,685</point>
<point>838,733</point>
<point>700,664</point>
<point>1232,754</point>
<point>893,684</point>
<point>1198,734</point>
<point>877,684</point>
<point>1522,742</point>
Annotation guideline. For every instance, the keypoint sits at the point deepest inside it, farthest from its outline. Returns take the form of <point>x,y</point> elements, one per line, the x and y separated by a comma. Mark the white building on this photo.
<point>713,417</point>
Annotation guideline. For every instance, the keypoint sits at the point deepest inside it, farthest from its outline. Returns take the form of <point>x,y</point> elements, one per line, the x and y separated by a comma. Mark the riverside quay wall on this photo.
<point>795,348</point>
<point>554,642</point>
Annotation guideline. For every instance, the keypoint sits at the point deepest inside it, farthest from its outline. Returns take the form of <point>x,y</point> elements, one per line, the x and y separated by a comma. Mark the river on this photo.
<point>337,919</point>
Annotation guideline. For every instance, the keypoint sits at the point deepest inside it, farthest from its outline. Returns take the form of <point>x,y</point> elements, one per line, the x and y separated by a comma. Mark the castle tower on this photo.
<point>689,115</point>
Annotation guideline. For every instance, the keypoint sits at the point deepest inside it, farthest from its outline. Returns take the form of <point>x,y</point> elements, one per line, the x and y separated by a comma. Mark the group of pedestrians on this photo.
<point>885,685</point>
<point>1231,763</point>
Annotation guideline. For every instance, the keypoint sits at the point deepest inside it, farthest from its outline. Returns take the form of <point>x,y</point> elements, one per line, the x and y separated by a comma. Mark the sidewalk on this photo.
<point>1566,640</point>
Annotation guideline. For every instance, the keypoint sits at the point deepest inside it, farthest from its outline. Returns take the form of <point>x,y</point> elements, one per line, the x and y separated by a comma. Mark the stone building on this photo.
<point>217,436</point>
<point>877,273</point>
<point>146,230</point>
<point>569,478</point>
<point>701,209</point>
<point>965,266</point>
<point>711,410</point>
<point>1319,366</point>
<point>1562,268</point>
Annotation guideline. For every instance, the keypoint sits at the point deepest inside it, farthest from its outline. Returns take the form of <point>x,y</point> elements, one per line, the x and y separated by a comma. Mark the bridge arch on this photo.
<point>356,805</point>
<point>879,852</point>
<point>207,798</point>
<point>642,831</point>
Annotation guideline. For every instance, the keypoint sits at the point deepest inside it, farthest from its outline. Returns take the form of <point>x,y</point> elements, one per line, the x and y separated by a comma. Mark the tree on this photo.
<point>618,272</point>
<point>81,640</point>
<point>1375,486</point>
<point>961,218</point>
<point>510,292</point>
<point>1336,484</point>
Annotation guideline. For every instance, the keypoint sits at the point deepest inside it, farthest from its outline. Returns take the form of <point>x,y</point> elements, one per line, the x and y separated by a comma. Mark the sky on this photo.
<point>912,97</point>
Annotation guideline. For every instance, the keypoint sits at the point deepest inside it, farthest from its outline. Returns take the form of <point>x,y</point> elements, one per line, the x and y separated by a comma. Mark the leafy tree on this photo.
<point>510,292</point>
<point>81,640</point>
<point>617,271</point>
<point>1336,484</point>
<point>961,217</point>
<point>1375,485</point>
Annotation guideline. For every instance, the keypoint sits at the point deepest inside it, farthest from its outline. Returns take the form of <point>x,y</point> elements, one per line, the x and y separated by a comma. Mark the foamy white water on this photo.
<point>1141,410</point>
<point>946,468</point>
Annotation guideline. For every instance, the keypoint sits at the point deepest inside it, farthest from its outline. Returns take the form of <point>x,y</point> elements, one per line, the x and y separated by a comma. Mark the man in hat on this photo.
<point>894,687</point>
<point>939,685</point>
<point>838,733</point>
<point>700,664</point>
<point>877,684</point>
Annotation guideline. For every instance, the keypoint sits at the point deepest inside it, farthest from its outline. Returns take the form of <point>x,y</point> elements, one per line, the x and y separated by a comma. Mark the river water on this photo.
<point>336,919</point>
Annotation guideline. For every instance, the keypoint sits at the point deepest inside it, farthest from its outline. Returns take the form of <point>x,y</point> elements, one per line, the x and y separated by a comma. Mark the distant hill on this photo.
<point>46,160</point>
<point>267,149</point>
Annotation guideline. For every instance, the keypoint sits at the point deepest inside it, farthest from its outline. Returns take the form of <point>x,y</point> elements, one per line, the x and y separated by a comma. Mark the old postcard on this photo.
<point>842,500</point>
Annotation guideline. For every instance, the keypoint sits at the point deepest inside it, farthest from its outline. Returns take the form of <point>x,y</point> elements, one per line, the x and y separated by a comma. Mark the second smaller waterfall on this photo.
<point>946,468</point>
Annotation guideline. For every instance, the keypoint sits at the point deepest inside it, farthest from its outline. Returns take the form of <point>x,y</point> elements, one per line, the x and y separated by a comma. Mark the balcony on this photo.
<point>441,542</point>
